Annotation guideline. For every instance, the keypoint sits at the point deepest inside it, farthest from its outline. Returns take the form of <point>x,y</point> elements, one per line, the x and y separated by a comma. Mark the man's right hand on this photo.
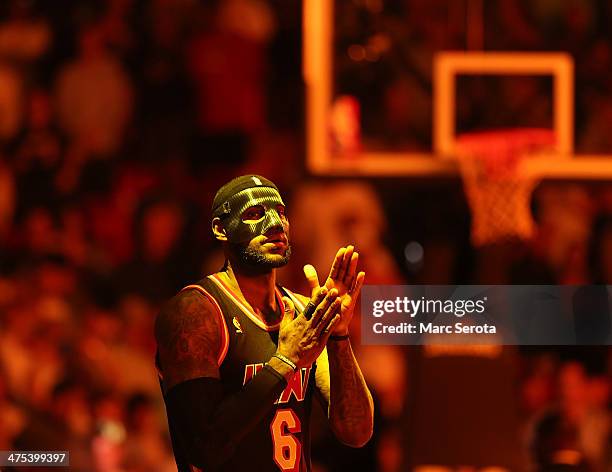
<point>301,339</point>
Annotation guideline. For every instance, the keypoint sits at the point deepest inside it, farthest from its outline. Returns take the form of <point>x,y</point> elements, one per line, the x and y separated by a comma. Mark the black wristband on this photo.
<point>339,338</point>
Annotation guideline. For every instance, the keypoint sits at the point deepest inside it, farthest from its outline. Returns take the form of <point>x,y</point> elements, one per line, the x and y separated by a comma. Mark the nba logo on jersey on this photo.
<point>237,325</point>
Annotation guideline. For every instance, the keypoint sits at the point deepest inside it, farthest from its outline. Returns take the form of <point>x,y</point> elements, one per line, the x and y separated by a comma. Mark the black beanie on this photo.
<point>237,185</point>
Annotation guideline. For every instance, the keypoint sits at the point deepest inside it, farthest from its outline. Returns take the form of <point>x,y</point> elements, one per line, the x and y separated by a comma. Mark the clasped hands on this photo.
<point>328,313</point>
<point>344,278</point>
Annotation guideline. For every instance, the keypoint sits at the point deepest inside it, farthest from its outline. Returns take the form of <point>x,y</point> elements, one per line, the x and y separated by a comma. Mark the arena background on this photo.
<point>120,119</point>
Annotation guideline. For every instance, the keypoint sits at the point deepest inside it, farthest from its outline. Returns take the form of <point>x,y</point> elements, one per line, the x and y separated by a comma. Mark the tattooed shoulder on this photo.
<point>187,332</point>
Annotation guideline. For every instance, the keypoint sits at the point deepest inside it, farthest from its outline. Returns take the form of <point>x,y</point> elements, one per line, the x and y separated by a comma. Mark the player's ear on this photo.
<point>218,229</point>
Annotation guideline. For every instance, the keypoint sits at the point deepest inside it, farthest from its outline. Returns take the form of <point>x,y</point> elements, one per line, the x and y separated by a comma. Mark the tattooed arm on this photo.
<point>350,408</point>
<point>188,337</point>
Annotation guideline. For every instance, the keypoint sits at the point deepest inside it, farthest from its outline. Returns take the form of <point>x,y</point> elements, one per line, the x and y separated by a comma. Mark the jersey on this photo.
<point>281,442</point>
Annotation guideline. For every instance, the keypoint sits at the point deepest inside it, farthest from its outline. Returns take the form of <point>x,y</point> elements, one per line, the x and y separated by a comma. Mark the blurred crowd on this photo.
<point>120,119</point>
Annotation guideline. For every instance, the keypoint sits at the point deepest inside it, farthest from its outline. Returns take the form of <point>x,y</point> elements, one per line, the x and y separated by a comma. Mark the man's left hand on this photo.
<point>343,277</point>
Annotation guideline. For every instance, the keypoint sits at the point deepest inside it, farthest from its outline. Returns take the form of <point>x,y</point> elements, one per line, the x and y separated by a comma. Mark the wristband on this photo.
<point>339,338</point>
<point>286,360</point>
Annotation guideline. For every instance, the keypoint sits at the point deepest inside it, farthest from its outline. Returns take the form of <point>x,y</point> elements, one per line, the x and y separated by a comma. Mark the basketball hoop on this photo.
<point>497,189</point>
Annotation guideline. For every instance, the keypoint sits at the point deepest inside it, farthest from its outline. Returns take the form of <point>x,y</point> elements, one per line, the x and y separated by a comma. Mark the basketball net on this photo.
<point>497,188</point>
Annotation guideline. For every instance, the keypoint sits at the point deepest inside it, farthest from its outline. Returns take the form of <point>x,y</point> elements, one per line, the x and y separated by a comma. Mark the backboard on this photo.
<point>562,162</point>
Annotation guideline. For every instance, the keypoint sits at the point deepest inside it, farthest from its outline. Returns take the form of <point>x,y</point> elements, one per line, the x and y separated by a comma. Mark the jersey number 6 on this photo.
<point>287,449</point>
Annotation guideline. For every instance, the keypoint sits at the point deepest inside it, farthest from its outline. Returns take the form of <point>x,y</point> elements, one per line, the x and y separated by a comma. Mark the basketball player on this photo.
<point>240,358</point>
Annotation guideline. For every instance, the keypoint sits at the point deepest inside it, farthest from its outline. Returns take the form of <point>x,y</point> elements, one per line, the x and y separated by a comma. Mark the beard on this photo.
<point>254,260</point>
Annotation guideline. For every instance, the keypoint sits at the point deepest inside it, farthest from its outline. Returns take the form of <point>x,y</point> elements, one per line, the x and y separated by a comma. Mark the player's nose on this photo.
<point>273,225</point>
